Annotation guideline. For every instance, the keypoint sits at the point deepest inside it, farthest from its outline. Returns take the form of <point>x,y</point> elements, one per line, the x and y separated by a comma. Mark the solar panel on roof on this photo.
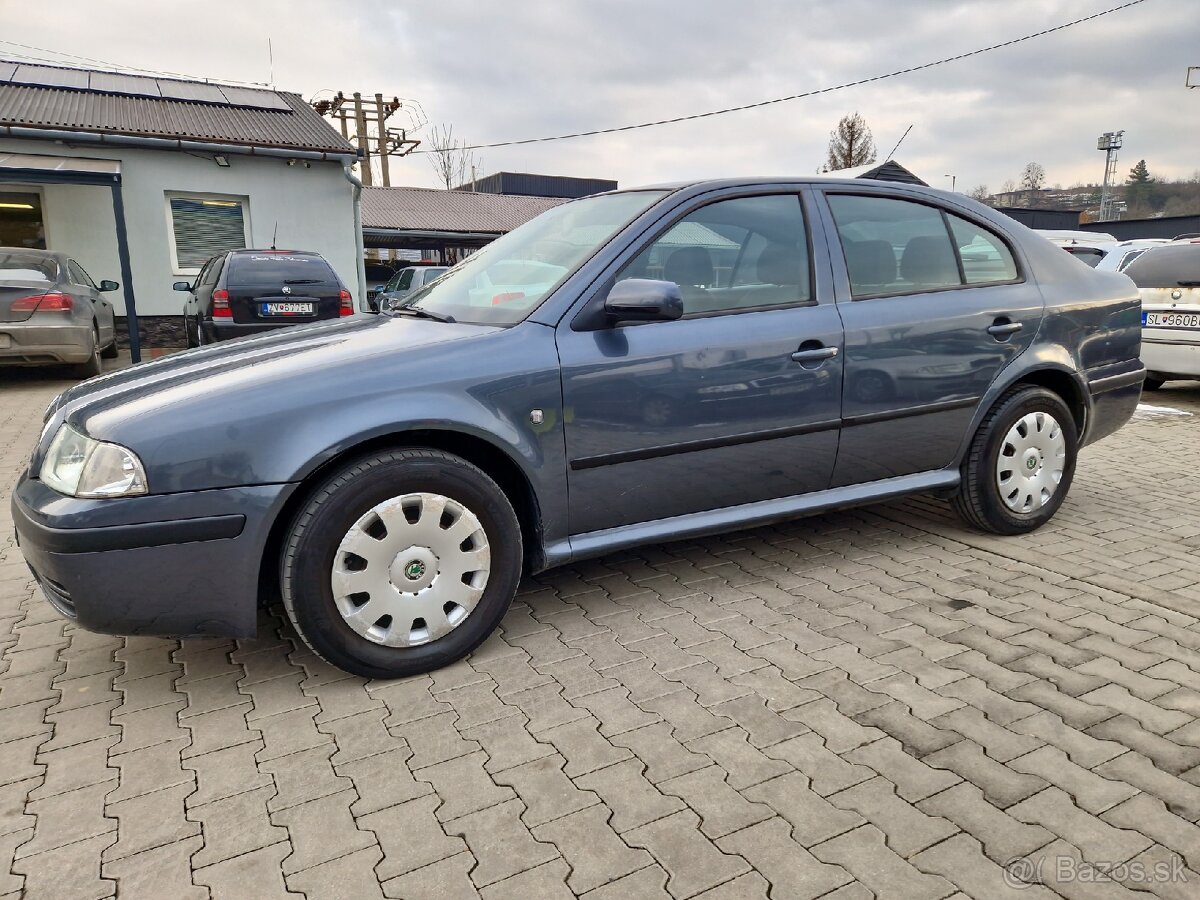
<point>190,90</point>
<point>240,96</point>
<point>6,70</point>
<point>48,76</point>
<point>116,83</point>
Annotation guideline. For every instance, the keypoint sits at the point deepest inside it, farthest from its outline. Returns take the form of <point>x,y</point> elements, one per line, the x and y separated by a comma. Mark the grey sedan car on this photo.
<point>52,312</point>
<point>496,432</point>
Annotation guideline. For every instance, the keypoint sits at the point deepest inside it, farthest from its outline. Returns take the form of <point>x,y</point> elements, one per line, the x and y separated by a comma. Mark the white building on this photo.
<point>143,179</point>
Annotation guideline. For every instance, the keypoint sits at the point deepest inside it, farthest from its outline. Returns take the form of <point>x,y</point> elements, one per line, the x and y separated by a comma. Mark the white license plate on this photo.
<point>290,308</point>
<point>1171,319</point>
<point>5,341</point>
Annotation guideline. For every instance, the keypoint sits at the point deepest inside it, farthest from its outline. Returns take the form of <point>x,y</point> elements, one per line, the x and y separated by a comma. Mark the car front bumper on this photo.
<point>183,564</point>
<point>30,343</point>
<point>1177,359</point>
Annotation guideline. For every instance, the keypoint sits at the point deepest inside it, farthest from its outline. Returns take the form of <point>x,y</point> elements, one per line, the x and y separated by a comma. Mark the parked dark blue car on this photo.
<point>638,366</point>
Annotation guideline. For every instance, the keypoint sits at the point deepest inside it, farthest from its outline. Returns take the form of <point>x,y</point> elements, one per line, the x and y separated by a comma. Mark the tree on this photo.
<point>1033,176</point>
<point>1140,192</point>
<point>979,192</point>
<point>850,144</point>
<point>450,157</point>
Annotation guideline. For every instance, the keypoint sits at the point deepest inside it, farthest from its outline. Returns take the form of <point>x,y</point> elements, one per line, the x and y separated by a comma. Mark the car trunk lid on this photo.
<point>282,288</point>
<point>19,298</point>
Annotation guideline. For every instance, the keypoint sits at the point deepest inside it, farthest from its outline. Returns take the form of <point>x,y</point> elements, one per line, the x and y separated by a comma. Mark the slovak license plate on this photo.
<point>287,308</point>
<point>1171,319</point>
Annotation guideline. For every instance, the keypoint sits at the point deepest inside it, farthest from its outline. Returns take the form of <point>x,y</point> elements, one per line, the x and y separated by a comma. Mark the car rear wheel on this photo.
<point>190,332</point>
<point>1020,463</point>
<point>93,366</point>
<point>401,562</point>
<point>112,351</point>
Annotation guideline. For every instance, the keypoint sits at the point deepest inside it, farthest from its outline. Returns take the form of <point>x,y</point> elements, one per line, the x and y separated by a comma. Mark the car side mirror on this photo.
<point>182,286</point>
<point>106,286</point>
<point>643,300</point>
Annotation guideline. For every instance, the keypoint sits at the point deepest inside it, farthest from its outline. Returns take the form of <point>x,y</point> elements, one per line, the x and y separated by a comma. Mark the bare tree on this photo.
<point>850,144</point>
<point>979,192</point>
<point>1008,187</point>
<point>1033,176</point>
<point>450,157</point>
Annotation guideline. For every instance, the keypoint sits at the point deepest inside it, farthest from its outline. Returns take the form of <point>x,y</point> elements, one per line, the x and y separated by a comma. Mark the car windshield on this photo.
<point>1172,265</point>
<point>273,269</point>
<point>508,279</point>
<point>27,267</point>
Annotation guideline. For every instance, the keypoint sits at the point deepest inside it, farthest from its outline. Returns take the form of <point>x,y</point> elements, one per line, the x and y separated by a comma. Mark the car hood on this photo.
<point>226,370</point>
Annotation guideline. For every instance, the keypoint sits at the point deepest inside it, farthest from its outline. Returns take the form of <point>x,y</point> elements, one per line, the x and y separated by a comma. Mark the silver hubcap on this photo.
<point>411,570</point>
<point>1031,462</point>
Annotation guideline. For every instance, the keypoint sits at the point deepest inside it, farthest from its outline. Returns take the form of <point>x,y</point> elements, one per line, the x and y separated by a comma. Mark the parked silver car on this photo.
<point>407,281</point>
<point>52,312</point>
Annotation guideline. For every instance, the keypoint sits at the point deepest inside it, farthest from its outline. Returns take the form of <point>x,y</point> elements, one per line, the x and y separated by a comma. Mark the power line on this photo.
<point>805,94</point>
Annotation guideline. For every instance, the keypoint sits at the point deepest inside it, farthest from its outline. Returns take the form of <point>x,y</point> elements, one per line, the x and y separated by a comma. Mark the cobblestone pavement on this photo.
<point>876,701</point>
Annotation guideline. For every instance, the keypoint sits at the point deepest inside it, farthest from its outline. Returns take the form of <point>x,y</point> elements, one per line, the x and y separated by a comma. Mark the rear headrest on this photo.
<point>690,266</point>
<point>870,262</point>
<point>779,264</point>
<point>929,260</point>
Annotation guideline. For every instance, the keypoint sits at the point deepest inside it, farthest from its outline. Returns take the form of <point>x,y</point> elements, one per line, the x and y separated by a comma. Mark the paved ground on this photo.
<point>871,702</point>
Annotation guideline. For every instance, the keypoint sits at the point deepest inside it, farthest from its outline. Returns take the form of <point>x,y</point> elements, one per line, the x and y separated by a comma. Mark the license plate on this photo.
<point>1171,319</point>
<point>5,341</point>
<point>287,308</point>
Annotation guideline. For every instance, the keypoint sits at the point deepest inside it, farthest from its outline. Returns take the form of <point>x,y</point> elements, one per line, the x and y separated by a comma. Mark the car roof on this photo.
<point>53,254</point>
<point>276,252</point>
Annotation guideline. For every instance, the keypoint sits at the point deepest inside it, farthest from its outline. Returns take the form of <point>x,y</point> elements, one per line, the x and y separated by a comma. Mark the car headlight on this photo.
<point>78,466</point>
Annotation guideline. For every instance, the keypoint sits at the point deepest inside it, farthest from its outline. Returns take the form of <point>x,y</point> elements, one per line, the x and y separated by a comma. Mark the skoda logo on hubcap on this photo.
<point>1031,464</point>
<point>414,570</point>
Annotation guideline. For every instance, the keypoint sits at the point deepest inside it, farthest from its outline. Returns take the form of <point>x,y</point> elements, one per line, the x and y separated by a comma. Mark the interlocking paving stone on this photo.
<point>1004,838</point>
<point>545,882</point>
<point>500,842</point>
<point>960,861</point>
<point>546,792</point>
<point>411,836</point>
<point>693,863</point>
<point>594,852</point>
<point>1001,785</point>
<point>149,821</point>
<point>1149,816</point>
<point>253,875</point>
<point>235,825</point>
<point>350,876</point>
<point>908,829</point>
<point>1100,842</point>
<point>163,871</point>
<point>67,817</point>
<point>446,879</point>
<point>813,818</point>
<point>224,773</point>
<point>865,854</point>
<point>322,830</point>
<point>722,809</point>
<point>913,779</point>
<point>791,870</point>
<point>71,871</point>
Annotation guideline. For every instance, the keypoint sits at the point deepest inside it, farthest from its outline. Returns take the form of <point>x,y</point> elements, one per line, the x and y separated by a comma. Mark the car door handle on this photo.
<point>1004,329</point>
<point>818,354</point>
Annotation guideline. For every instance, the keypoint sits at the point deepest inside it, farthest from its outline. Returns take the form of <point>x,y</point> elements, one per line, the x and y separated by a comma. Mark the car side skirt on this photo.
<point>748,515</point>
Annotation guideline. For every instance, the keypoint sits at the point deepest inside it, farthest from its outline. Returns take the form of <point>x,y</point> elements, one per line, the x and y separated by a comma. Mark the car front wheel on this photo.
<point>1020,463</point>
<point>401,562</point>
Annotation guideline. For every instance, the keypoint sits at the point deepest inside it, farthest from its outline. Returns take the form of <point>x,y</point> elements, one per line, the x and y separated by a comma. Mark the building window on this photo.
<point>202,227</point>
<point>21,220</point>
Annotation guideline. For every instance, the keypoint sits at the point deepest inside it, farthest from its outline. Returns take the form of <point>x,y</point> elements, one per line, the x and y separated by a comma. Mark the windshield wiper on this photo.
<point>422,313</point>
<point>1188,283</point>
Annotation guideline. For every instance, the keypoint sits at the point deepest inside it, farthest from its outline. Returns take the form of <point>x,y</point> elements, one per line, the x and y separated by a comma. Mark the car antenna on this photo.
<point>274,234</point>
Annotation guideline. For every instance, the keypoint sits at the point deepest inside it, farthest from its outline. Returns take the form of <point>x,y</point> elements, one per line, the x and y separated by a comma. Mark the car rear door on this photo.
<point>737,402</point>
<point>934,304</point>
<point>281,287</point>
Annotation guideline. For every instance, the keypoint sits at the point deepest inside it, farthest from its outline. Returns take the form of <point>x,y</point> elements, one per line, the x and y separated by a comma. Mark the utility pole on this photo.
<point>1110,143</point>
<point>363,122</point>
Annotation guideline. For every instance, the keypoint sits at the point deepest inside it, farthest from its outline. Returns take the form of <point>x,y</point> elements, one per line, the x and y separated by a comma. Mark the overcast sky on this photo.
<point>528,68</point>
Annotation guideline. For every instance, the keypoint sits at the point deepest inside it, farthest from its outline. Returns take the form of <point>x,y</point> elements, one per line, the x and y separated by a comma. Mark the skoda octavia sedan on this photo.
<point>1169,280</point>
<point>817,343</point>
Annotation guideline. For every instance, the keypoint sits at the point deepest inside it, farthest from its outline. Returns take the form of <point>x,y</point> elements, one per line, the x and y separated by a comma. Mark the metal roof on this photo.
<point>428,209</point>
<point>93,101</point>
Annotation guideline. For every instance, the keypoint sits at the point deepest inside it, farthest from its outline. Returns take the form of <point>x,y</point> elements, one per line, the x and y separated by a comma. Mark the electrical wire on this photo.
<point>813,93</point>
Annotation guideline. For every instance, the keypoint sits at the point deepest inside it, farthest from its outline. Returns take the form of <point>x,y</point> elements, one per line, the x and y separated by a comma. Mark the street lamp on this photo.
<point>1110,143</point>
<point>953,181</point>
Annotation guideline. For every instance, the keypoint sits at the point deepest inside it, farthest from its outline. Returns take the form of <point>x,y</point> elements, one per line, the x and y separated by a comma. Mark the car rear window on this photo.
<point>267,269</point>
<point>1089,255</point>
<point>1171,265</point>
<point>27,267</point>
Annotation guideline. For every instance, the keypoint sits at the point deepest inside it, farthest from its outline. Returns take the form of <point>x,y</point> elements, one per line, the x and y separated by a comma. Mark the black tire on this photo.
<point>1153,384</point>
<point>112,351</point>
<point>338,503</point>
<point>979,501</point>
<point>192,340</point>
<point>93,366</point>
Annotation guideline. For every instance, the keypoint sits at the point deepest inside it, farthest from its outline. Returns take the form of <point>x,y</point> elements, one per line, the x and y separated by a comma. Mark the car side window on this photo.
<point>986,259</point>
<point>893,246</point>
<point>78,275</point>
<point>744,253</point>
<point>214,272</point>
<point>406,278</point>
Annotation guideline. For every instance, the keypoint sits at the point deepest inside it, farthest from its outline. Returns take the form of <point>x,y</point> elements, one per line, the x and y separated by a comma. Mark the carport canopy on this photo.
<point>30,168</point>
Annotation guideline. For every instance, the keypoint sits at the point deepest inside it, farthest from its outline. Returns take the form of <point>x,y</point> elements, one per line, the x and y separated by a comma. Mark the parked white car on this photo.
<point>1169,280</point>
<point>1125,252</point>
<point>1086,246</point>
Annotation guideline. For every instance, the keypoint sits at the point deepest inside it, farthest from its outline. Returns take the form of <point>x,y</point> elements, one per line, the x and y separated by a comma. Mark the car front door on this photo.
<point>736,402</point>
<point>85,289</point>
<point>934,305</point>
